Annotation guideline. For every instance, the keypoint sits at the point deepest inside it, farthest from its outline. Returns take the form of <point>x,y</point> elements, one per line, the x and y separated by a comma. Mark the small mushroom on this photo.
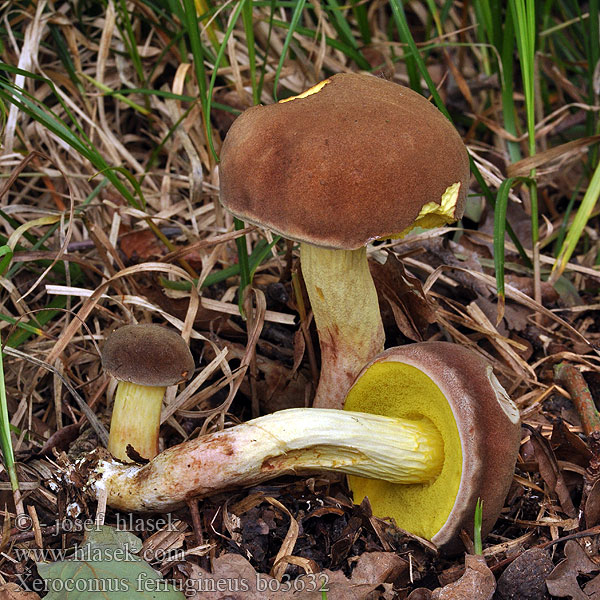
<point>145,359</point>
<point>434,432</point>
<point>354,159</point>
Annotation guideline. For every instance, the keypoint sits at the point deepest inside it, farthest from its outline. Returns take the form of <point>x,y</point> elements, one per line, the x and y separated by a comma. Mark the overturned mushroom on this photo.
<point>457,391</point>
<point>145,359</point>
<point>442,432</point>
<point>351,160</point>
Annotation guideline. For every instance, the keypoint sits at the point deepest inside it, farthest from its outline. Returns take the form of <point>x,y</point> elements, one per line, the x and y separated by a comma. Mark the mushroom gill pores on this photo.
<point>458,392</point>
<point>427,431</point>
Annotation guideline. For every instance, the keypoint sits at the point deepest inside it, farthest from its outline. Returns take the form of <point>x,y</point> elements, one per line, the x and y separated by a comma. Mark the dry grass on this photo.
<point>106,235</point>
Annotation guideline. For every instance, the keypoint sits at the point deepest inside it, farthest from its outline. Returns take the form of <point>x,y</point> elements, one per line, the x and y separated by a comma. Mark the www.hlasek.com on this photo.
<point>96,554</point>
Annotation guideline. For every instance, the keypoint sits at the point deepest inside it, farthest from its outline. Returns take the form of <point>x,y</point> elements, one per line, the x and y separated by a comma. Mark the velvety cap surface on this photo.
<point>353,162</point>
<point>147,355</point>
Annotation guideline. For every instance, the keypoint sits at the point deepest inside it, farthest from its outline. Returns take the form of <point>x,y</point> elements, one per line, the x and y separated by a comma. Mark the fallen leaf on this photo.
<point>477,583</point>
<point>420,594</point>
<point>551,473</point>
<point>562,582</point>
<point>591,510</point>
<point>385,567</point>
<point>525,285</point>
<point>592,588</point>
<point>404,295</point>
<point>569,446</point>
<point>11,591</point>
<point>60,439</point>
<point>141,245</point>
<point>205,318</point>
<point>234,578</point>
<point>106,566</point>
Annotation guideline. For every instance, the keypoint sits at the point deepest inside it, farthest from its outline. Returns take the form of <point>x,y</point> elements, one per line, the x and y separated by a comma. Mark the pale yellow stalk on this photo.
<point>288,441</point>
<point>346,311</point>
<point>135,420</point>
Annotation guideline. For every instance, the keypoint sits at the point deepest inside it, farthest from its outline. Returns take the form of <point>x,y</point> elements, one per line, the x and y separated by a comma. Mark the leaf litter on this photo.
<point>434,285</point>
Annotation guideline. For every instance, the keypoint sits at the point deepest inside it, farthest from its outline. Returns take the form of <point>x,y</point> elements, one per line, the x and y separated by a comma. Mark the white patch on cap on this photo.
<point>508,406</point>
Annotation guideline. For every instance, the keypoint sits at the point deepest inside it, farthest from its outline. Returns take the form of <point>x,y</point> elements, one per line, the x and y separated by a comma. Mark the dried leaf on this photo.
<point>60,439</point>
<point>11,591</point>
<point>106,565</point>
<point>477,583</point>
<point>234,577</point>
<point>551,473</point>
<point>141,245</point>
<point>384,567</point>
<point>591,510</point>
<point>569,446</point>
<point>562,582</point>
<point>592,588</point>
<point>404,294</point>
<point>420,594</point>
<point>205,318</point>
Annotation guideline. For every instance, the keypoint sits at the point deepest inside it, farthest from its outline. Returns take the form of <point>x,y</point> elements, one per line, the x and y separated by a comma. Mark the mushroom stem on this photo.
<point>346,310</point>
<point>288,441</point>
<point>135,420</point>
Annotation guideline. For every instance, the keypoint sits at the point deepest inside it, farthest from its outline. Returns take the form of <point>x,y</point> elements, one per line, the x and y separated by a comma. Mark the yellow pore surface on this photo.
<point>399,390</point>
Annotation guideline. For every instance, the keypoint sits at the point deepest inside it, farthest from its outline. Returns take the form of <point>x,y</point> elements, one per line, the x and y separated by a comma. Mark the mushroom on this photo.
<point>145,359</point>
<point>436,431</point>
<point>457,391</point>
<point>352,160</point>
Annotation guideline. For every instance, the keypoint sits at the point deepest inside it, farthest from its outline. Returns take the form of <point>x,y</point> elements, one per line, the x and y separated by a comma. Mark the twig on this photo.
<point>573,381</point>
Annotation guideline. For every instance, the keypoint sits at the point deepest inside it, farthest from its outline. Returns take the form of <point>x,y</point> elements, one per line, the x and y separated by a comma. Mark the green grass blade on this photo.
<point>500,229</point>
<point>478,520</point>
<point>592,122</point>
<point>407,38</point>
<point>220,56</point>
<point>286,44</point>
<point>65,57</point>
<point>359,10</point>
<point>242,250</point>
<point>128,38</point>
<point>12,94</point>
<point>590,198</point>
<point>190,22</point>
<point>342,26</point>
<point>524,16</point>
<point>5,439</point>
<point>507,89</point>
<point>6,255</point>
<point>248,21</point>
<point>33,327</point>
<point>260,253</point>
<point>358,58</point>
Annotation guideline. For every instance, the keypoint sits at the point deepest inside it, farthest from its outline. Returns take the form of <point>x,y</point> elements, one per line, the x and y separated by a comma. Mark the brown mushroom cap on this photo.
<point>147,355</point>
<point>488,428</point>
<point>350,163</point>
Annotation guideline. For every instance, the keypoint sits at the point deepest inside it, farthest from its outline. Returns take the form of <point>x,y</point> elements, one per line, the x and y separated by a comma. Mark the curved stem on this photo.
<point>346,310</point>
<point>288,441</point>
